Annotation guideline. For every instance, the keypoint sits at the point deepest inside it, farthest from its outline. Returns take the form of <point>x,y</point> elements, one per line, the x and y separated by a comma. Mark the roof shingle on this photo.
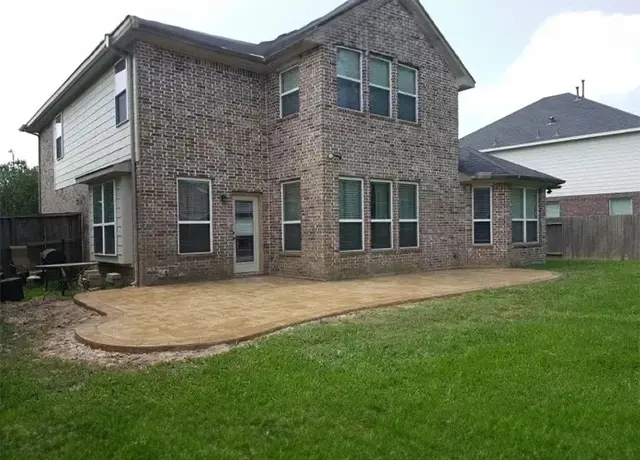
<point>572,117</point>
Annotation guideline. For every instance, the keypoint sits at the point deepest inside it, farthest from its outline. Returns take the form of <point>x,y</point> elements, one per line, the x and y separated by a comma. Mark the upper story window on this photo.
<point>120,70</point>
<point>524,215</point>
<point>349,69</point>
<point>380,86</point>
<point>481,204</point>
<point>289,92</point>
<point>620,207</point>
<point>58,144</point>
<point>407,93</point>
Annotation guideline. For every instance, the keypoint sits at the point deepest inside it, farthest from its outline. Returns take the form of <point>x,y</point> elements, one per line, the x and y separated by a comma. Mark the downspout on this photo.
<point>133,119</point>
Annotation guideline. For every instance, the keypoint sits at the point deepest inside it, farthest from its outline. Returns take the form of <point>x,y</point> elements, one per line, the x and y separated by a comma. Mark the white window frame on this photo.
<point>473,215</point>
<point>352,79</point>
<point>415,96</point>
<point>55,137</point>
<point>416,220</point>
<point>104,224</point>
<point>553,203</point>
<point>524,218</point>
<point>352,221</point>
<point>292,222</point>
<point>611,200</point>
<point>380,221</point>
<point>194,222</point>
<point>118,93</point>
<point>388,89</point>
<point>291,91</point>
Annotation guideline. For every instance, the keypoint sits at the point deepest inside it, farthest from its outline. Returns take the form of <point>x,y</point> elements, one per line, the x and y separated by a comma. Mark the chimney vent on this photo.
<point>577,94</point>
<point>583,89</point>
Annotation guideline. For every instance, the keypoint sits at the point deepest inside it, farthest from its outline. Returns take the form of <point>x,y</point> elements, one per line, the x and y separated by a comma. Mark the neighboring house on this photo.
<point>330,152</point>
<point>594,147</point>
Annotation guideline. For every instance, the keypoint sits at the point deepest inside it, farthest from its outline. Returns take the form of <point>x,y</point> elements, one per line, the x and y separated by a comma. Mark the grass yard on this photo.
<point>542,371</point>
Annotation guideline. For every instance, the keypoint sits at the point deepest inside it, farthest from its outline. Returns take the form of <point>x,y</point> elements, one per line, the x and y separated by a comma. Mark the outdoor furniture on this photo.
<point>11,289</point>
<point>20,262</point>
<point>67,272</point>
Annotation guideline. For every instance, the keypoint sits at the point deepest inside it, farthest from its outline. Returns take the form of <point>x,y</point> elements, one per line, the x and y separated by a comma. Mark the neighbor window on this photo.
<point>553,210</point>
<point>59,145</point>
<point>194,216</point>
<point>289,92</point>
<point>291,231</point>
<point>381,214</point>
<point>120,70</point>
<point>620,206</point>
<point>407,93</point>
<point>524,215</point>
<point>104,219</point>
<point>349,79</point>
<point>351,214</point>
<point>380,86</point>
<point>408,214</point>
<point>481,215</point>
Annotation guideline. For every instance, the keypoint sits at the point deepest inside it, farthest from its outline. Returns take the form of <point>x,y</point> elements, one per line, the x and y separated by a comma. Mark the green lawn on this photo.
<point>543,371</point>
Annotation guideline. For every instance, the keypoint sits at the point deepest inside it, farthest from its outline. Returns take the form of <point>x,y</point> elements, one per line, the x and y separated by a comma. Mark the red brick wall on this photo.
<point>592,205</point>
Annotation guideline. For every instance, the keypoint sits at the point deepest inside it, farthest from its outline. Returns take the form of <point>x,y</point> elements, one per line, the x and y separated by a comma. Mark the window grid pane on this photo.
<point>349,64</point>
<point>407,80</point>
<point>350,199</point>
<point>97,204</point>
<point>620,206</point>
<point>291,103</point>
<point>408,234</point>
<point>531,198</point>
<point>408,201</point>
<point>109,203</point>
<point>380,200</point>
<point>379,103</point>
<point>194,238</point>
<point>290,80</point>
<point>379,74</point>
<point>553,210</point>
<point>407,108</point>
<point>380,235</point>
<point>517,203</point>
<point>351,236</point>
<point>193,200</point>
<point>482,203</point>
<point>291,201</point>
<point>349,94</point>
<point>292,237</point>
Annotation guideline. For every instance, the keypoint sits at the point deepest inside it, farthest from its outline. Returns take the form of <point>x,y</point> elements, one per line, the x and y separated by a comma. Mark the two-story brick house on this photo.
<point>330,152</point>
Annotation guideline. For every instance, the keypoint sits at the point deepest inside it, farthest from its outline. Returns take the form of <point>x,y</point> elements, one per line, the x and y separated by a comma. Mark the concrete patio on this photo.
<point>197,315</point>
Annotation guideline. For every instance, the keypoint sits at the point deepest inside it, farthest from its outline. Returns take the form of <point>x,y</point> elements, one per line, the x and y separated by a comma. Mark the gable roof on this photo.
<point>572,117</point>
<point>259,57</point>
<point>478,165</point>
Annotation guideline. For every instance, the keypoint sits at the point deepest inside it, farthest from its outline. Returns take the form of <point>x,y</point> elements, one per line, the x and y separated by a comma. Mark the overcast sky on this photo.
<point>517,51</point>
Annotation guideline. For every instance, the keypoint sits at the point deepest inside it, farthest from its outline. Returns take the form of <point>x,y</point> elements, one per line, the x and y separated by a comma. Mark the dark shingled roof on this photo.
<point>262,49</point>
<point>573,117</point>
<point>480,165</point>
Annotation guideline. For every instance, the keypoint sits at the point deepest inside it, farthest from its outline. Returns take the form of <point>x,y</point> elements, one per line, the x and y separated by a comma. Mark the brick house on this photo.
<point>592,146</point>
<point>330,152</point>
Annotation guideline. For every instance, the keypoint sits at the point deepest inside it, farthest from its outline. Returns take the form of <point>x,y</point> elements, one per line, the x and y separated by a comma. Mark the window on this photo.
<point>194,216</point>
<point>408,215</point>
<point>104,219</point>
<point>58,144</point>
<point>291,231</point>
<point>349,79</point>
<point>482,215</point>
<point>351,215</point>
<point>289,92</point>
<point>120,70</point>
<point>524,215</point>
<point>381,214</point>
<point>553,210</point>
<point>380,86</point>
<point>620,206</point>
<point>407,93</point>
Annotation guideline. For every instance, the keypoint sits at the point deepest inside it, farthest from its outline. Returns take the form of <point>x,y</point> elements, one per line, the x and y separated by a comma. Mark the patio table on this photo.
<point>66,274</point>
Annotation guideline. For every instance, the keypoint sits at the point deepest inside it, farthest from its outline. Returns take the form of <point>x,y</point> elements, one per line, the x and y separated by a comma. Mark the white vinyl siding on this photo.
<point>91,139</point>
<point>602,165</point>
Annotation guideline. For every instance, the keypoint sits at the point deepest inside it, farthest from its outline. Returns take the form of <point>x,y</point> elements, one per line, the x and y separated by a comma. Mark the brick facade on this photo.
<point>592,205</point>
<point>200,119</point>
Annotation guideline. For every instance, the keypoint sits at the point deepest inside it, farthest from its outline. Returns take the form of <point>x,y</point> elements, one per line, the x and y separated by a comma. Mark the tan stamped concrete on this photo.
<point>196,315</point>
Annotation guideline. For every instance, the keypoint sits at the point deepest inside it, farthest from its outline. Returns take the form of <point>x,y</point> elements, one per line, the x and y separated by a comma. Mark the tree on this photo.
<point>18,189</point>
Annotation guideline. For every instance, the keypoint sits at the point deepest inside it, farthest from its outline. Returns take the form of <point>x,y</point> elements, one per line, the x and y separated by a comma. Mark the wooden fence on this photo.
<point>40,232</point>
<point>594,237</point>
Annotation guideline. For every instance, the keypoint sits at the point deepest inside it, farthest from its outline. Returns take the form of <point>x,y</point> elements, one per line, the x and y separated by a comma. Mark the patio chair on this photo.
<point>20,262</point>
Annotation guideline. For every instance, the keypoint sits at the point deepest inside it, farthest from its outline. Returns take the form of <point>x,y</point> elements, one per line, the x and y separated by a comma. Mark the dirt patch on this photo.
<point>48,326</point>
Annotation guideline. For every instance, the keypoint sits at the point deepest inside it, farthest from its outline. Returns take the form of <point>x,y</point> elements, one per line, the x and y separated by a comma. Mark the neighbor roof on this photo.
<point>478,165</point>
<point>260,57</point>
<point>572,116</point>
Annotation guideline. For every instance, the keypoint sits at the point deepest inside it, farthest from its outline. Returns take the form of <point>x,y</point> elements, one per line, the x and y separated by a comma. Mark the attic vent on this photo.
<point>552,120</point>
<point>538,135</point>
<point>495,142</point>
<point>557,134</point>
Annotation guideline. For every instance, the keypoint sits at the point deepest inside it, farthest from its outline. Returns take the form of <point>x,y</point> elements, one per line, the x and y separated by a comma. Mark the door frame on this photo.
<point>256,266</point>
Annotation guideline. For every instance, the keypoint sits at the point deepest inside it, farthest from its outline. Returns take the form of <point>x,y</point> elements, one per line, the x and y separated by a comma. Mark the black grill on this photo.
<point>53,256</point>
